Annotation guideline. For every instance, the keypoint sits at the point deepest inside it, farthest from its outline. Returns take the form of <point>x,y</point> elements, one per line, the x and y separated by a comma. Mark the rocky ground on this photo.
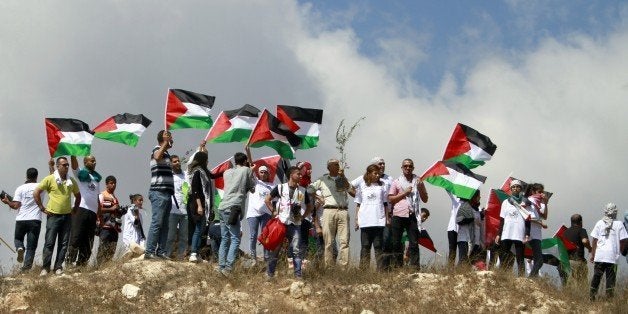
<point>178,287</point>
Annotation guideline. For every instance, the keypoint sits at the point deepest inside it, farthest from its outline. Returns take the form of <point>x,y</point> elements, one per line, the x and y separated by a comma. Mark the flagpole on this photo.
<point>5,243</point>
<point>166,111</point>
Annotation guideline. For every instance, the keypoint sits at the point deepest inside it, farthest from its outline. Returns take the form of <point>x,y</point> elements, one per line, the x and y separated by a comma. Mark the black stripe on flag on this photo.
<point>478,139</point>
<point>303,114</point>
<point>245,111</point>
<point>275,125</point>
<point>69,125</point>
<point>464,170</point>
<point>194,98</point>
<point>128,118</point>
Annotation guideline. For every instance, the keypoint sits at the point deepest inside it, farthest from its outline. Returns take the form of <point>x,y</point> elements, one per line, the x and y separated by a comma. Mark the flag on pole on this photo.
<point>68,137</point>
<point>277,166</point>
<point>123,128</point>
<point>560,233</point>
<point>219,181</point>
<point>469,147</point>
<point>271,132</point>
<point>233,125</point>
<point>491,218</point>
<point>454,178</point>
<point>553,246</point>
<point>304,122</point>
<point>188,110</point>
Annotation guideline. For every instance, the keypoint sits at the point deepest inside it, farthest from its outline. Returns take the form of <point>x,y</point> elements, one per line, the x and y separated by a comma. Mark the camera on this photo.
<point>295,210</point>
<point>123,210</point>
<point>3,194</point>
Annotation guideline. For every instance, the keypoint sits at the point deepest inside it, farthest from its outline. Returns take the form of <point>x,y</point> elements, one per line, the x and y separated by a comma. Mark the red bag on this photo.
<point>273,234</point>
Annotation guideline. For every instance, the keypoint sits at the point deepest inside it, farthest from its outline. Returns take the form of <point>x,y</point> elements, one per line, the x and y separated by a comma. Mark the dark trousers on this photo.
<point>57,230</point>
<point>107,246</point>
<point>463,253</point>
<point>30,229</point>
<point>506,257</point>
<point>371,237</point>
<point>214,238</point>
<point>452,239</point>
<point>598,271</point>
<point>537,257</point>
<point>387,252</point>
<point>81,237</point>
<point>409,224</point>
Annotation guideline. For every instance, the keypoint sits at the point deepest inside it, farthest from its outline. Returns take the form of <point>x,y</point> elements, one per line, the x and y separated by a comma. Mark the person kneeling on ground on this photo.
<point>133,235</point>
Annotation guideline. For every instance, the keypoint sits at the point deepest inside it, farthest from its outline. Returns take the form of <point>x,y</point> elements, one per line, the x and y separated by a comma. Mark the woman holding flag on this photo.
<point>514,229</point>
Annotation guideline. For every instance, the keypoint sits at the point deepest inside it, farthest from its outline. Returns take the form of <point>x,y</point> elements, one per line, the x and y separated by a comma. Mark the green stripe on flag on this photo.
<point>563,255</point>
<point>192,122</point>
<point>127,138</point>
<point>67,149</point>
<point>467,161</point>
<point>455,189</point>
<point>308,142</point>
<point>283,149</point>
<point>235,135</point>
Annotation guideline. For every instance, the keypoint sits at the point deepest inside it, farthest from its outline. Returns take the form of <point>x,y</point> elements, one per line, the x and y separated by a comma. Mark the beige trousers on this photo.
<point>336,226</point>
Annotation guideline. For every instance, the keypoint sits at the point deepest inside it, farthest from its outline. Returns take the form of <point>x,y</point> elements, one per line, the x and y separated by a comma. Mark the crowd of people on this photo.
<point>186,218</point>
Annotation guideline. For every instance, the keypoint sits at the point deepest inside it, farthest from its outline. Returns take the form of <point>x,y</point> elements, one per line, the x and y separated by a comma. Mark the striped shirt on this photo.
<point>161,173</point>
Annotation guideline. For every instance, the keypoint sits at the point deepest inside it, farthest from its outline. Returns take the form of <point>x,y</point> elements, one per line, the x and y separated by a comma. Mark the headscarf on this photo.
<point>306,178</point>
<point>610,214</point>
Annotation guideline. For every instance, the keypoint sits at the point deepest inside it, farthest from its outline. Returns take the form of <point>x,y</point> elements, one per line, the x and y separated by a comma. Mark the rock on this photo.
<point>167,296</point>
<point>299,289</point>
<point>15,302</point>
<point>367,312</point>
<point>130,291</point>
<point>368,288</point>
<point>521,307</point>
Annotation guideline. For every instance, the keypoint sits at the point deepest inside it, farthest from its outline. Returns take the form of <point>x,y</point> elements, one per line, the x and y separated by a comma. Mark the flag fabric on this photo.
<point>426,241</point>
<point>188,110</point>
<point>68,137</point>
<point>454,178</point>
<point>469,147</point>
<point>219,181</point>
<point>233,125</point>
<point>271,132</point>
<point>277,167</point>
<point>491,218</point>
<point>304,122</point>
<point>123,128</point>
<point>560,233</point>
<point>552,246</point>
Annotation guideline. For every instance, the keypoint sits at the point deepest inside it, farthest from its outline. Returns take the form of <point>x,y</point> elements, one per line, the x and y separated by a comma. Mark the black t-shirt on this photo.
<point>575,235</point>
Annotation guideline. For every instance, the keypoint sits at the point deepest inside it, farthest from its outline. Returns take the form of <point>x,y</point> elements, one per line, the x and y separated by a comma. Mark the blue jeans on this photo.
<point>157,239</point>
<point>57,229</point>
<point>230,241</point>
<point>255,224</point>
<point>293,234</point>
<point>30,229</point>
<point>180,233</point>
<point>199,227</point>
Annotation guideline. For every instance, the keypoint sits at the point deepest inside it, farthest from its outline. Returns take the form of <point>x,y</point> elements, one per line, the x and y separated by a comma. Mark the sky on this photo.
<point>547,81</point>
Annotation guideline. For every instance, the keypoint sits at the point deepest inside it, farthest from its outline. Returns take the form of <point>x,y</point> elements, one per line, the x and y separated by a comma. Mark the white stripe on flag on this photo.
<point>458,178</point>
<point>240,122</point>
<point>195,110</point>
<point>135,128</point>
<point>307,128</point>
<point>77,137</point>
<point>477,153</point>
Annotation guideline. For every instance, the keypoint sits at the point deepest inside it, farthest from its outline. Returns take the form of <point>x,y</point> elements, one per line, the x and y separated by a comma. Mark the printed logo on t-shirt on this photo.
<point>91,186</point>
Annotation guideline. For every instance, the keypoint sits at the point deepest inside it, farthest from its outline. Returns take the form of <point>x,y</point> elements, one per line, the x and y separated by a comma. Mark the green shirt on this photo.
<point>59,195</point>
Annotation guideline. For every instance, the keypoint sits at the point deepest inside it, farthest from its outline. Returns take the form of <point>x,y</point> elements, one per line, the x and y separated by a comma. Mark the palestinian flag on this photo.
<point>271,132</point>
<point>506,185</point>
<point>233,125</point>
<point>491,217</point>
<point>188,110</point>
<point>469,147</point>
<point>123,128</point>
<point>219,181</point>
<point>570,246</point>
<point>454,178</point>
<point>68,137</point>
<point>554,249</point>
<point>276,165</point>
<point>304,122</point>
<point>426,241</point>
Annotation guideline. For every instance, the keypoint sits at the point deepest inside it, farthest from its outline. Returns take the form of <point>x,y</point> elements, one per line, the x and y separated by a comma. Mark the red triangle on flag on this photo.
<point>458,144</point>
<point>272,163</point>
<point>570,246</point>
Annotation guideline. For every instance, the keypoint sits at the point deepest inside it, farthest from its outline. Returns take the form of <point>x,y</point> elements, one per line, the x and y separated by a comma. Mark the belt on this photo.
<point>336,207</point>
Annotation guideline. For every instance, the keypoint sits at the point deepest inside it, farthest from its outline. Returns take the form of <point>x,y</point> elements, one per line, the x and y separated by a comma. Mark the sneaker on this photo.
<point>43,272</point>
<point>20,254</point>
<point>226,273</point>
<point>59,272</point>
<point>193,258</point>
<point>163,257</point>
<point>149,256</point>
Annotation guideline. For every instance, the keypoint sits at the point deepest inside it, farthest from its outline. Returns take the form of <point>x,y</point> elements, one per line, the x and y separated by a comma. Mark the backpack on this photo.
<point>273,234</point>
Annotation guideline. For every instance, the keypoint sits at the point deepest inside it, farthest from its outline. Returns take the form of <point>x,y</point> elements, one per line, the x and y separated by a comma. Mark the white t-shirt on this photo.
<point>29,209</point>
<point>455,204</point>
<point>358,182</point>
<point>284,203</point>
<point>607,250</point>
<point>89,192</point>
<point>179,180</point>
<point>130,232</point>
<point>536,232</point>
<point>255,204</point>
<point>514,225</point>
<point>371,199</point>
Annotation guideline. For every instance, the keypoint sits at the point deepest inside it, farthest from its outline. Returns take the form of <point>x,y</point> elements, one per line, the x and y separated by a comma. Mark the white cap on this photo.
<point>515,182</point>
<point>262,168</point>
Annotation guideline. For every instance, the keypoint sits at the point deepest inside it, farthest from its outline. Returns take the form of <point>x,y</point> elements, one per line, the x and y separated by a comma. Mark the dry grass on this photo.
<point>184,287</point>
